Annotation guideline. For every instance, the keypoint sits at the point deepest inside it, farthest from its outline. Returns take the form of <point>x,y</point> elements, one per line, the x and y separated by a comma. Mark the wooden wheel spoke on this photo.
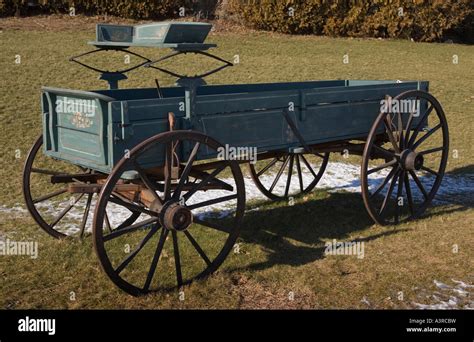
<point>300,175</point>
<point>107,222</point>
<point>385,181</point>
<point>203,182</point>
<point>129,229</point>
<point>427,169</point>
<point>85,216</point>
<point>381,167</point>
<point>50,195</point>
<point>407,130</point>
<point>130,206</point>
<point>426,136</point>
<point>419,184</point>
<point>385,153</point>
<point>277,177</point>
<point>418,126</point>
<point>66,210</point>
<point>388,129</point>
<point>129,221</point>
<point>137,249</point>
<point>186,170</point>
<point>319,155</point>
<point>197,247</point>
<point>409,122</point>
<point>388,194</point>
<point>168,164</point>
<point>400,131</point>
<point>309,166</point>
<point>147,181</point>
<point>432,150</point>
<point>265,169</point>
<point>177,260</point>
<point>212,201</point>
<point>399,194</point>
<point>156,258</point>
<point>212,225</point>
<point>290,172</point>
<point>409,195</point>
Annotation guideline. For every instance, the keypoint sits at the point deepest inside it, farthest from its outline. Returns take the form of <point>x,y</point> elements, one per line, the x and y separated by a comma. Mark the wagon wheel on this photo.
<point>403,184</point>
<point>204,224</point>
<point>58,212</point>
<point>275,176</point>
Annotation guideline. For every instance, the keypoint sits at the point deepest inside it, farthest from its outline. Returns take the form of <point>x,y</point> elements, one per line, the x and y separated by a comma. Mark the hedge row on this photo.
<point>136,9</point>
<point>420,20</point>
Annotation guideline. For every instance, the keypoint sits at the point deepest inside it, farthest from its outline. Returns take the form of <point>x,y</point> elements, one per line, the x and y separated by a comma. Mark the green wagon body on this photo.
<point>237,115</point>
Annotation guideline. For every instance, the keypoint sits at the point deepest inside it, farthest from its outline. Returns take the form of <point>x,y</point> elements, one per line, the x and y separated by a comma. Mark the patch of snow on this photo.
<point>461,292</point>
<point>452,297</point>
<point>365,301</point>
<point>338,176</point>
<point>440,285</point>
<point>13,212</point>
<point>462,284</point>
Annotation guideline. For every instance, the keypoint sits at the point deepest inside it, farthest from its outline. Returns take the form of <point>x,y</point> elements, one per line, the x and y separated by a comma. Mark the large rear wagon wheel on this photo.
<point>60,213</point>
<point>198,209</point>
<point>289,174</point>
<point>402,185</point>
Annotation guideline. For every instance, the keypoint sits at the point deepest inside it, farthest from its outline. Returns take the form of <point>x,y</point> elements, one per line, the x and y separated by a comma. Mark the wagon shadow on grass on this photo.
<point>295,235</point>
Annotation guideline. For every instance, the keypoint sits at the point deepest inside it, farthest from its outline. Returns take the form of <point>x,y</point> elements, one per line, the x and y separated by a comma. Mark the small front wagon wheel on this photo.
<point>191,213</point>
<point>411,146</point>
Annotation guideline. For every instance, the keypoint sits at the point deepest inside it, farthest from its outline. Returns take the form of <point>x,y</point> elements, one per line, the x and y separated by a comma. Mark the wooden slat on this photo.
<point>95,188</point>
<point>82,177</point>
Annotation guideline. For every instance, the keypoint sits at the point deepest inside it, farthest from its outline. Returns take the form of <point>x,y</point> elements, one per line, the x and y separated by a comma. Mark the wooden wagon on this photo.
<point>150,162</point>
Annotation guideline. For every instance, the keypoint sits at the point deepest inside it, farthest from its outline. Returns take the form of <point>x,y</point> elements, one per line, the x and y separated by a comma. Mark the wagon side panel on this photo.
<point>135,121</point>
<point>345,113</point>
<point>75,127</point>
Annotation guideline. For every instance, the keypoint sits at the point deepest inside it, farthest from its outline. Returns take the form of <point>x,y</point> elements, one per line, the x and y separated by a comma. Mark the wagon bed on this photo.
<point>237,115</point>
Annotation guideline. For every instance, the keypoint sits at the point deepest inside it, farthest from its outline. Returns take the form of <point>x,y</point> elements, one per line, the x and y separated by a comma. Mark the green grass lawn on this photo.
<point>281,246</point>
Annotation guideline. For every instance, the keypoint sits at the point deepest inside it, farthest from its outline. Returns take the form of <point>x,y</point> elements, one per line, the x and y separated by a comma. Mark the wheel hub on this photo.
<point>176,217</point>
<point>411,160</point>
